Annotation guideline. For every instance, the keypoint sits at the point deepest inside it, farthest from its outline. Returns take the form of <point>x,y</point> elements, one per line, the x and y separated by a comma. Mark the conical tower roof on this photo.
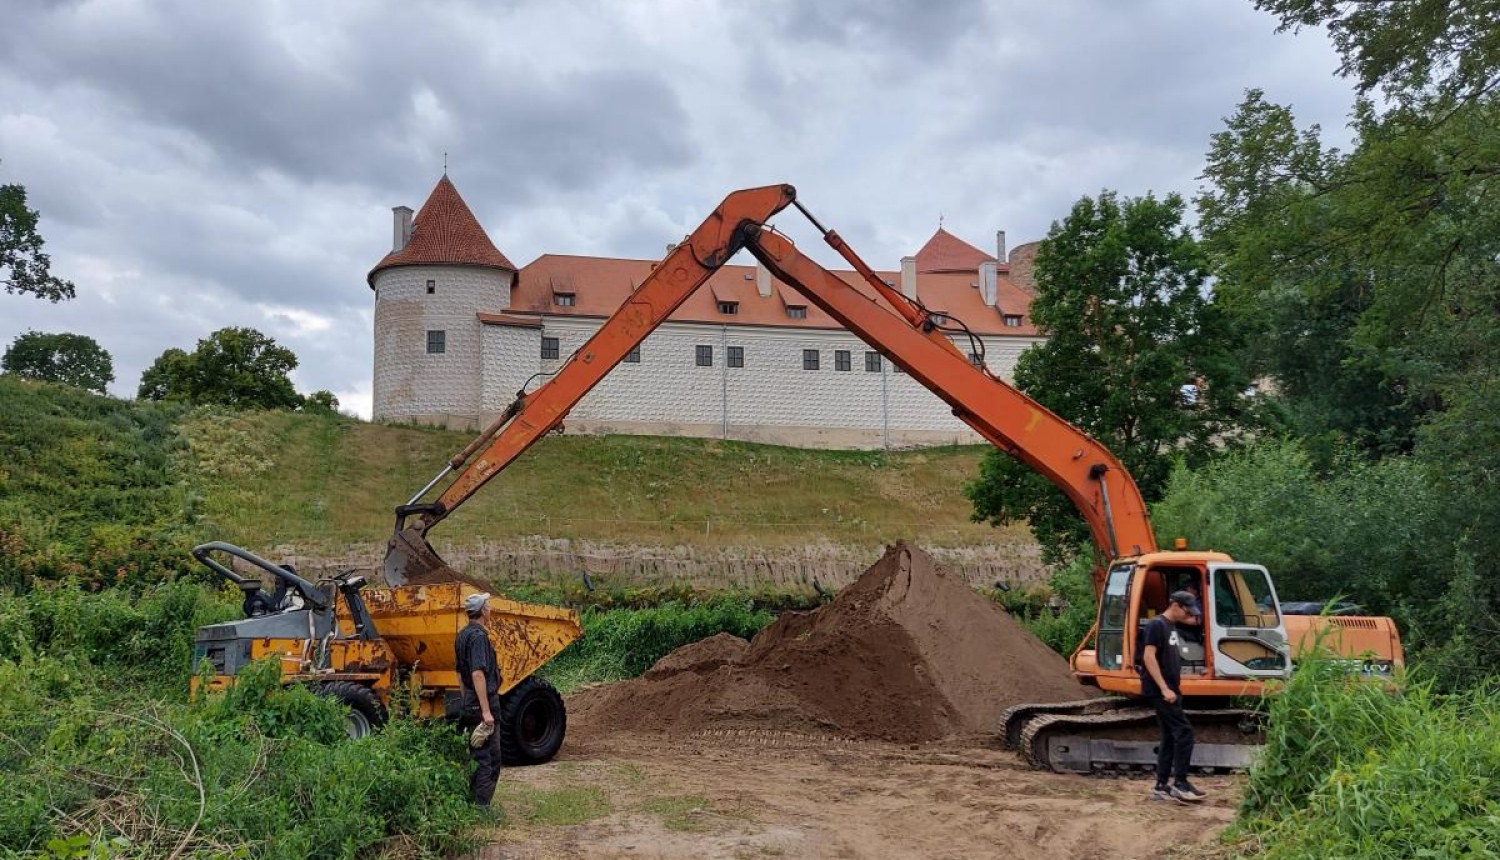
<point>446,233</point>
<point>945,252</point>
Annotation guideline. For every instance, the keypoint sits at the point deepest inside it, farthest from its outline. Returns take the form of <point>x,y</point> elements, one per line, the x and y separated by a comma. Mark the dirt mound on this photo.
<point>700,657</point>
<point>906,653</point>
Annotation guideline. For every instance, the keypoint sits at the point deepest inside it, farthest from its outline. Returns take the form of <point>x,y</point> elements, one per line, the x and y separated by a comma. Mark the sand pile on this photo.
<point>907,653</point>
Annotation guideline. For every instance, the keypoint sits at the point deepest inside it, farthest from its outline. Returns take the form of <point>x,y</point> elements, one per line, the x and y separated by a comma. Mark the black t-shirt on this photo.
<point>472,651</point>
<point>1163,634</point>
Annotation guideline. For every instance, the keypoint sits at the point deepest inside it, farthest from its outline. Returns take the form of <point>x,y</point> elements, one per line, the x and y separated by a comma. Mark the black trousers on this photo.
<point>486,758</point>
<point>1175,752</point>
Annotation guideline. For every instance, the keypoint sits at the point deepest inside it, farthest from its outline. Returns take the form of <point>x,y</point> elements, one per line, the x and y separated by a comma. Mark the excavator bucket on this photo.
<point>411,560</point>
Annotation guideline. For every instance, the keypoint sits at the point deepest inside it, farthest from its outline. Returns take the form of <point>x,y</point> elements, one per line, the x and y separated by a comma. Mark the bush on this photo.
<point>1354,769</point>
<point>1073,587</point>
<point>260,772</point>
<point>1384,534</point>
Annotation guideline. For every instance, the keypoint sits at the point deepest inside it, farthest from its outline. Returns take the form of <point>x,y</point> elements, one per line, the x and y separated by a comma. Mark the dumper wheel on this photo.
<point>532,722</point>
<point>364,713</point>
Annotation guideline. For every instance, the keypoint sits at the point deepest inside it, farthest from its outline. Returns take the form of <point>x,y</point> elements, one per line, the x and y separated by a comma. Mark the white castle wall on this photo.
<point>771,399</point>
<point>410,384</point>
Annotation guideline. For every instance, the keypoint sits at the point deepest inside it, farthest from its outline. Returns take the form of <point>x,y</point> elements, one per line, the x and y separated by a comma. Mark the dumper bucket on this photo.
<point>419,623</point>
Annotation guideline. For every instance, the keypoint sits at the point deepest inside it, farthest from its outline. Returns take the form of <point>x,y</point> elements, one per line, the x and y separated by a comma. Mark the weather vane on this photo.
<point>445,162</point>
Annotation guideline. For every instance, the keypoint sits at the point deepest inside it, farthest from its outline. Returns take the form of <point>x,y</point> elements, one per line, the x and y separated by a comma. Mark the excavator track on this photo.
<point>1015,718</point>
<point>1124,740</point>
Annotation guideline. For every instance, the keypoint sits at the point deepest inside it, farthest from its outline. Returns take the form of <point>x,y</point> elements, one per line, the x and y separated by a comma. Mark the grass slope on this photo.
<point>324,482</point>
<point>330,482</point>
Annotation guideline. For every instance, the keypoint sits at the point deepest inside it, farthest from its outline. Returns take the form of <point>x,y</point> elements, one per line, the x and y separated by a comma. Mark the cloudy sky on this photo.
<point>199,165</point>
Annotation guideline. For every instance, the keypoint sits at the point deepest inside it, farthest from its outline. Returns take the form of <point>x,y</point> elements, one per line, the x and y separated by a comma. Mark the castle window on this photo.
<point>634,356</point>
<point>564,300</point>
<point>975,360</point>
<point>549,347</point>
<point>729,307</point>
<point>736,356</point>
<point>797,312</point>
<point>841,359</point>
<point>872,362</point>
<point>431,287</point>
<point>705,356</point>
<point>1012,320</point>
<point>437,342</point>
<point>809,359</point>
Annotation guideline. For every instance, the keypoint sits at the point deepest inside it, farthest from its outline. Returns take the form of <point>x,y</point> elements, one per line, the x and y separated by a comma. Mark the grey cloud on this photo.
<point>382,92</point>
<point>208,164</point>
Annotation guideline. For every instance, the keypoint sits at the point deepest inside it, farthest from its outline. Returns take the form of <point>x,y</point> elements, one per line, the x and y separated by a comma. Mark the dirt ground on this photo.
<point>751,794</point>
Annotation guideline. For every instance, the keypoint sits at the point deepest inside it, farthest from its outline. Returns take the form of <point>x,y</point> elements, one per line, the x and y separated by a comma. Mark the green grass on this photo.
<point>557,807</point>
<point>1353,768</point>
<point>680,813</point>
<point>334,481</point>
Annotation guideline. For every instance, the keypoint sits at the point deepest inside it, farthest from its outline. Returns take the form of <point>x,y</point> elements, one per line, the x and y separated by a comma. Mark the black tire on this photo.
<point>531,723</point>
<point>365,712</point>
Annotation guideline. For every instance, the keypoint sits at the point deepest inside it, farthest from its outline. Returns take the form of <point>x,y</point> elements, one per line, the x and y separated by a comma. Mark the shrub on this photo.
<point>1354,769</point>
<point>260,772</point>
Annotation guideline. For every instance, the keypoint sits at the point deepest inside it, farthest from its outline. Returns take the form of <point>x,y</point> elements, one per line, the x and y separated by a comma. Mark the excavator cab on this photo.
<point>1241,636</point>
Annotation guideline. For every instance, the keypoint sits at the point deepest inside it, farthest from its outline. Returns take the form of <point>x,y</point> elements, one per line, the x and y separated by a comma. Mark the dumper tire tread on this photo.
<point>532,723</point>
<point>358,698</point>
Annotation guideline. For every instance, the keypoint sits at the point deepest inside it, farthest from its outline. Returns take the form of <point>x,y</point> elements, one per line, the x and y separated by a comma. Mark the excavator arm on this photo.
<point>900,328</point>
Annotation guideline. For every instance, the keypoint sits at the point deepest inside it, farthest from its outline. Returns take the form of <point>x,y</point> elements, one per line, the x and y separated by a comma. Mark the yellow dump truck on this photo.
<point>363,646</point>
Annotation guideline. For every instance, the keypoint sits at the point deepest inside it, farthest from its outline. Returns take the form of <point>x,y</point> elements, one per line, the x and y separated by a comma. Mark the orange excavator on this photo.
<point>1246,640</point>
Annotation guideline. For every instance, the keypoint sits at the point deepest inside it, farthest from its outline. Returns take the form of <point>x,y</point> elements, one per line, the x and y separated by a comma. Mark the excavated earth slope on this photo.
<point>907,653</point>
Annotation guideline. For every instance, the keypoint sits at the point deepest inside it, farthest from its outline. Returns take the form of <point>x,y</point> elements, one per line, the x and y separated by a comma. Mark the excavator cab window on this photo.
<point>1114,611</point>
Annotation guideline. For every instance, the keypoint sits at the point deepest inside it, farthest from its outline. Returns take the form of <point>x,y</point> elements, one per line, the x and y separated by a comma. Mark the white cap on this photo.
<point>476,602</point>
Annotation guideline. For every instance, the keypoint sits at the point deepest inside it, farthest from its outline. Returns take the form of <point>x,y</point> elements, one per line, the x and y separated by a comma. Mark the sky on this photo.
<point>200,165</point>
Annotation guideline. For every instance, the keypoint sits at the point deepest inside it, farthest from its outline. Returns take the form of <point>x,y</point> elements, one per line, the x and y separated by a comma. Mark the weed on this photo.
<point>682,813</point>
<point>556,807</point>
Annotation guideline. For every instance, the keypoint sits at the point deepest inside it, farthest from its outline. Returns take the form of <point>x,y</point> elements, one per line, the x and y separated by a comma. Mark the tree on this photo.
<point>233,366</point>
<point>1137,355</point>
<point>322,400</point>
<point>24,267</point>
<point>71,359</point>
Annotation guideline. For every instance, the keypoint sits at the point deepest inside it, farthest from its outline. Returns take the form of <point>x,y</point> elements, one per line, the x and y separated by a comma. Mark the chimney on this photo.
<point>1000,249</point>
<point>401,234</point>
<point>762,281</point>
<point>909,277</point>
<point>989,281</point>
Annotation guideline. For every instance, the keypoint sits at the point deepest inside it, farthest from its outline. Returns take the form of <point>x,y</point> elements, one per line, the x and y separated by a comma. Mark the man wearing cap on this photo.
<point>480,676</point>
<point>1161,685</point>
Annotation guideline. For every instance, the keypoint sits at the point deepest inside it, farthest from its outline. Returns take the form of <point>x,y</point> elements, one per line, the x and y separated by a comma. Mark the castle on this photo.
<point>459,330</point>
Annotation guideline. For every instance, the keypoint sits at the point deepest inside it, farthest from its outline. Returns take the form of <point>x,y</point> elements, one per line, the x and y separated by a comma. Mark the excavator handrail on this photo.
<point>902,329</point>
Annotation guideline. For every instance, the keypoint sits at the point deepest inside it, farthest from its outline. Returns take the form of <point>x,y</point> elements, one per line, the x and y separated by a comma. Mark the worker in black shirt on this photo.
<point>480,677</point>
<point>1160,667</point>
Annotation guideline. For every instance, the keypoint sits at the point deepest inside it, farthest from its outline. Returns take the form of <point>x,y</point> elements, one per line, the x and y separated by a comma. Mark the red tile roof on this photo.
<point>945,252</point>
<point>601,284</point>
<point>445,232</point>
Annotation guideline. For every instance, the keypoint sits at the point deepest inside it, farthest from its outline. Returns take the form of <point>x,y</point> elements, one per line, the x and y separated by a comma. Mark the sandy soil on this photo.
<point>749,794</point>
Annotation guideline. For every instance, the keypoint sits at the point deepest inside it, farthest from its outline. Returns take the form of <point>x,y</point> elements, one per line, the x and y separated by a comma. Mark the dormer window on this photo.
<point>564,300</point>
<point>1012,320</point>
<point>730,308</point>
<point>796,312</point>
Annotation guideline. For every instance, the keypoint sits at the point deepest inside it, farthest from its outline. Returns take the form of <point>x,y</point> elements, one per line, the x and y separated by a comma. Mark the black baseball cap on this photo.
<point>1187,601</point>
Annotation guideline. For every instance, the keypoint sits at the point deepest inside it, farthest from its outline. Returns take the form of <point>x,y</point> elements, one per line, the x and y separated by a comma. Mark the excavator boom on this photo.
<point>899,327</point>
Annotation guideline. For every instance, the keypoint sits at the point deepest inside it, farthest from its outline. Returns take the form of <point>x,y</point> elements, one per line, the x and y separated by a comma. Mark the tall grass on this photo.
<point>1354,769</point>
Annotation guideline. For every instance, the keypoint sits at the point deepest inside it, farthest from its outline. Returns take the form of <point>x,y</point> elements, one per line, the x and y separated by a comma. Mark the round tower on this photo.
<point>441,273</point>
